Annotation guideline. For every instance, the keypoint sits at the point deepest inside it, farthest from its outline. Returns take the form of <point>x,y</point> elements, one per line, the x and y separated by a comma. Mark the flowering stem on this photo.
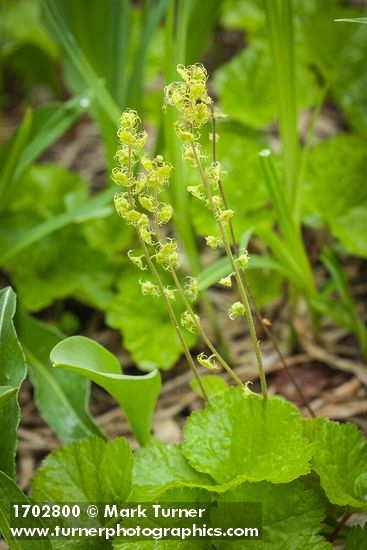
<point>220,185</point>
<point>158,280</point>
<point>237,274</point>
<point>235,246</point>
<point>201,331</point>
<point>173,318</point>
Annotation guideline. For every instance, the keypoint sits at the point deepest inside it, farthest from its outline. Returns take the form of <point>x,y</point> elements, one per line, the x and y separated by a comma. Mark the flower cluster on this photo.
<point>139,205</point>
<point>190,97</point>
<point>207,362</point>
<point>142,180</point>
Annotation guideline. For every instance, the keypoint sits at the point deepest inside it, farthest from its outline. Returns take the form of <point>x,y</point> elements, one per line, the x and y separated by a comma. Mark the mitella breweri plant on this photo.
<point>143,180</point>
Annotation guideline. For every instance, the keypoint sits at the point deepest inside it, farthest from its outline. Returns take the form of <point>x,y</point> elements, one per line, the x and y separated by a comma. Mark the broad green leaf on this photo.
<point>108,234</point>
<point>212,384</point>
<point>245,191</point>
<point>356,537</point>
<point>91,208</point>
<point>83,272</point>
<point>246,87</point>
<point>266,283</point>
<point>248,15</point>
<point>159,467</point>
<point>61,396</point>
<point>340,459</point>
<point>89,470</point>
<point>150,337</point>
<point>9,494</point>
<point>238,438</point>
<point>58,187</point>
<point>291,517</point>
<point>311,23</point>
<point>6,392</point>
<point>137,395</point>
<point>15,14</point>
<point>335,189</point>
<point>12,373</point>
<point>345,48</point>
<point>173,496</point>
<point>74,473</point>
<point>164,545</point>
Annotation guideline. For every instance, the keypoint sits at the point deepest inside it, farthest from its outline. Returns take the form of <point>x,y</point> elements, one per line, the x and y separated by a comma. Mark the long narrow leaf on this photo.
<point>61,397</point>
<point>48,124</point>
<point>12,155</point>
<point>154,17</point>
<point>12,373</point>
<point>79,60</point>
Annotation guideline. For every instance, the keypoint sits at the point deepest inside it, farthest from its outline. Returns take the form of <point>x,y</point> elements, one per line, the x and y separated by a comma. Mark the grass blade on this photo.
<point>79,61</point>
<point>12,155</point>
<point>279,15</point>
<point>154,15</point>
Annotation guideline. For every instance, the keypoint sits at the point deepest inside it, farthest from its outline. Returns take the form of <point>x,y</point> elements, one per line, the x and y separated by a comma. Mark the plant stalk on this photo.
<point>171,313</point>
<point>202,332</point>
<point>240,286</point>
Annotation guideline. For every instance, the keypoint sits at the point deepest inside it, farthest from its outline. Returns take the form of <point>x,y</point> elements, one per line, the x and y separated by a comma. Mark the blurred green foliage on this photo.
<point>61,59</point>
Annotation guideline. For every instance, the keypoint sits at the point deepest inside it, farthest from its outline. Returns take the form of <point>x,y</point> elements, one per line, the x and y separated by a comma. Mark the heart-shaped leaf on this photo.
<point>136,395</point>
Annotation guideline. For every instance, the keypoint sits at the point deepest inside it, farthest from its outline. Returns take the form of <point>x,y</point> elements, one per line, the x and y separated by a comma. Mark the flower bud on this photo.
<point>126,137</point>
<point>213,173</point>
<point>148,203</point>
<point>192,289</point>
<point>195,190</point>
<point>136,260</point>
<point>165,213</point>
<point>190,321</point>
<point>148,288</point>
<point>242,259</point>
<point>122,155</point>
<point>188,154</point>
<point>170,293</point>
<point>183,131</point>
<point>121,203</point>
<point>236,310</point>
<point>225,215</point>
<point>207,362</point>
<point>213,241</point>
<point>129,119</point>
<point>147,236</point>
<point>120,177</point>
<point>140,183</point>
<point>132,217</point>
<point>226,281</point>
